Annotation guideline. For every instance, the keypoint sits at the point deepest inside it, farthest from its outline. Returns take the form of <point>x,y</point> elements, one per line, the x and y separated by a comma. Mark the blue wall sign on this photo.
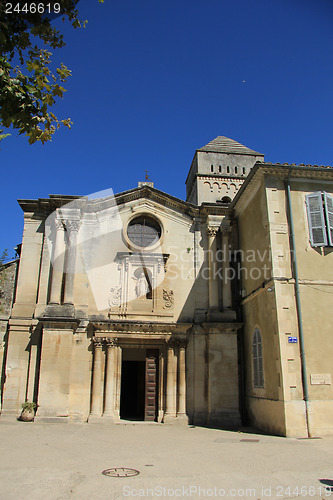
<point>292,340</point>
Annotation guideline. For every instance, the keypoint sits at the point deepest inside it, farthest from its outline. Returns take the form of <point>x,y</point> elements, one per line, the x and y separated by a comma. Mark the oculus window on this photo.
<point>319,207</point>
<point>143,231</point>
<point>258,371</point>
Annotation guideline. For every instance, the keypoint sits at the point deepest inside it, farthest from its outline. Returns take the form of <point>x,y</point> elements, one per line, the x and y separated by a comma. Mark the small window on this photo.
<point>220,168</point>
<point>226,199</point>
<point>243,170</point>
<point>212,168</point>
<point>258,371</point>
<point>320,217</point>
<point>235,170</point>
<point>228,170</point>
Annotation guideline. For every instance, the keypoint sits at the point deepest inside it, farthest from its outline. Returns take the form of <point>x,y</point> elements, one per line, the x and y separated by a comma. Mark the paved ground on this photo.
<point>66,461</point>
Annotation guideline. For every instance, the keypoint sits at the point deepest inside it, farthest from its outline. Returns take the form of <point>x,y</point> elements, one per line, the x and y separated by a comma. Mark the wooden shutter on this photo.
<point>329,216</point>
<point>316,218</point>
<point>151,385</point>
<point>258,369</point>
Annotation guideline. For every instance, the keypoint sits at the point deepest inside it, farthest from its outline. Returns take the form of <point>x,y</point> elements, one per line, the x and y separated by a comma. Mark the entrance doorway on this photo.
<point>132,393</point>
<point>139,384</point>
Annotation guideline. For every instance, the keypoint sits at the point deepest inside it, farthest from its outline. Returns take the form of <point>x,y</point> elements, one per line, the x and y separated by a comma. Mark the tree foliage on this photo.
<point>29,85</point>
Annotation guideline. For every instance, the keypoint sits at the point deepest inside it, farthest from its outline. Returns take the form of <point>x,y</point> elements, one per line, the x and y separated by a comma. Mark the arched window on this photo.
<point>226,199</point>
<point>258,370</point>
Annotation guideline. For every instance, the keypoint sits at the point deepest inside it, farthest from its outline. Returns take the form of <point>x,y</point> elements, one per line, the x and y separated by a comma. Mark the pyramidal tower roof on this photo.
<point>223,144</point>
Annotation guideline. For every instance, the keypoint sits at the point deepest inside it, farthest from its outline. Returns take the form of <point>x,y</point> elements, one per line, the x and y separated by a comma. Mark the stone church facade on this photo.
<point>213,311</point>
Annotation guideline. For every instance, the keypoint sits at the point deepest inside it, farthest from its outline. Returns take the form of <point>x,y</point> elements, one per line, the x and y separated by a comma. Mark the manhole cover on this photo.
<point>120,472</point>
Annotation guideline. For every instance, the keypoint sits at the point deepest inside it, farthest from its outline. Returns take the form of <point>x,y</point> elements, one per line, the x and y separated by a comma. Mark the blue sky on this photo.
<point>152,81</point>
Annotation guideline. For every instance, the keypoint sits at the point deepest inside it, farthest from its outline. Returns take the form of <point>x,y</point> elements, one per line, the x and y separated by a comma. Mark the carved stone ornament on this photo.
<point>58,224</point>
<point>177,343</point>
<point>98,342</point>
<point>168,297</point>
<point>111,342</point>
<point>115,296</point>
<point>212,231</point>
<point>182,343</point>
<point>73,225</point>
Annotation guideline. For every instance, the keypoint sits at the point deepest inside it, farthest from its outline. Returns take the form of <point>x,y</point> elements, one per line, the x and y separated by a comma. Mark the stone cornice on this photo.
<point>134,327</point>
<point>281,171</point>
<point>48,205</point>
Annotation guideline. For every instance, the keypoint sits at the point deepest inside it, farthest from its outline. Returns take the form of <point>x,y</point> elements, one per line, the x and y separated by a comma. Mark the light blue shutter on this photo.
<point>316,218</point>
<point>329,216</point>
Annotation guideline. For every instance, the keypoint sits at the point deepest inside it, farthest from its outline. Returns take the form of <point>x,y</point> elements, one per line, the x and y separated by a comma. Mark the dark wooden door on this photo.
<point>151,393</point>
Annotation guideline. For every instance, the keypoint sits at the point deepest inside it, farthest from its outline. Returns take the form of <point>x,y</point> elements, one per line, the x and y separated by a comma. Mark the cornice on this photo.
<point>46,206</point>
<point>281,171</point>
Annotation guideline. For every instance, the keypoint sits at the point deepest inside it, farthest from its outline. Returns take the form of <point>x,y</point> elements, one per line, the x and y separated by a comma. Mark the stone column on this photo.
<point>161,387</point>
<point>226,284</point>
<point>213,293</point>
<point>118,362</point>
<point>181,413</point>
<point>72,227</point>
<point>171,385</point>
<point>97,393</point>
<point>110,382</point>
<point>58,263</point>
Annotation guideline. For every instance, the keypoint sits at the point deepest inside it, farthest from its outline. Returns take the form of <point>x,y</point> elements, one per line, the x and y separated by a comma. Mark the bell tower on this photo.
<point>218,170</point>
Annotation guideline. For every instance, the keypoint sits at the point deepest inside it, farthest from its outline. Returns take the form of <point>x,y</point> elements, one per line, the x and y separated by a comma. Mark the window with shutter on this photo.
<point>316,218</point>
<point>329,216</point>
<point>258,369</point>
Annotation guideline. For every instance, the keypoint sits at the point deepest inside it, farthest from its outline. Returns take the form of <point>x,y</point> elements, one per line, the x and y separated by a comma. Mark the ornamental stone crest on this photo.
<point>115,297</point>
<point>168,297</point>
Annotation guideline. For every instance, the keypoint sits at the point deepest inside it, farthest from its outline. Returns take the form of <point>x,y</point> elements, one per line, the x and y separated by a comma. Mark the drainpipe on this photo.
<point>298,305</point>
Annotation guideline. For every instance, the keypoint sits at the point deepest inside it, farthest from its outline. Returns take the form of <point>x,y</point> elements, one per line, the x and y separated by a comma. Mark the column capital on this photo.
<point>226,230</point>
<point>181,343</point>
<point>58,224</point>
<point>212,230</point>
<point>98,342</point>
<point>171,343</point>
<point>111,342</point>
<point>73,225</point>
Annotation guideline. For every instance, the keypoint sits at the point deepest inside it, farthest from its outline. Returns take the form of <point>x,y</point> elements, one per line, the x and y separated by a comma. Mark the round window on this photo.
<point>143,231</point>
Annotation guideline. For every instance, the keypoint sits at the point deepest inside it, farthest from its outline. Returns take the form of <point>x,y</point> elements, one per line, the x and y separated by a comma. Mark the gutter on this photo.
<point>298,305</point>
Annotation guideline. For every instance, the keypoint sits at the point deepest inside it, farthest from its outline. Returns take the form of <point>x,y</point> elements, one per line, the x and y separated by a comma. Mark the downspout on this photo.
<point>298,306</point>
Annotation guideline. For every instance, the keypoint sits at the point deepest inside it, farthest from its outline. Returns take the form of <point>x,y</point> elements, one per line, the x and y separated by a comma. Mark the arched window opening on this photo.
<point>258,370</point>
<point>226,199</point>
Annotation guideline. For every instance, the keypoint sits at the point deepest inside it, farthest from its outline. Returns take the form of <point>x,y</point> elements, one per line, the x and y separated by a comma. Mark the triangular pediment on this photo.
<point>155,195</point>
